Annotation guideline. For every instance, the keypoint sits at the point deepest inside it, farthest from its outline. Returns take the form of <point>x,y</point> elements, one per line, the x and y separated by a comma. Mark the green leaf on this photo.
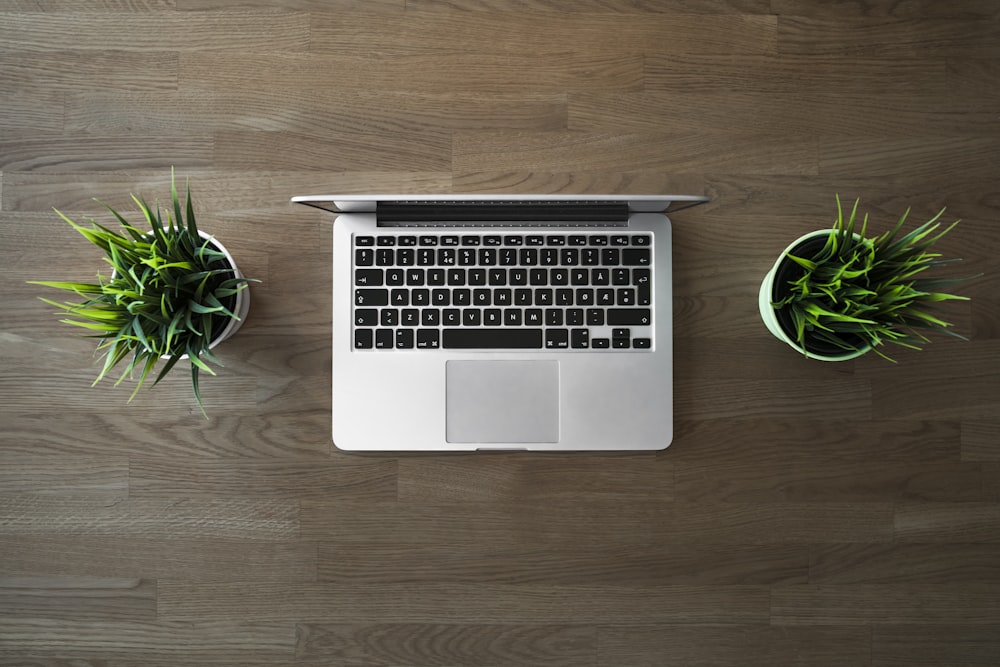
<point>803,262</point>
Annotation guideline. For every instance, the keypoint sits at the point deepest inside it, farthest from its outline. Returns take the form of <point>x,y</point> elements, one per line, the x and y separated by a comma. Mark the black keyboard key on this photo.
<point>642,239</point>
<point>522,297</point>
<point>415,277</point>
<point>513,240</point>
<point>498,277</point>
<point>389,317</point>
<point>428,240</point>
<point>577,240</point>
<point>595,317</point>
<point>451,317</point>
<point>553,317</point>
<point>590,256</point>
<point>430,317</point>
<point>428,339</point>
<point>620,343</point>
<point>610,256</point>
<point>492,317</point>
<point>642,343</point>
<point>626,296</point>
<point>619,277</point>
<point>407,240</point>
<point>404,339</point>
<point>534,239</point>
<point>556,339</point>
<point>512,317</point>
<point>467,257</point>
<point>579,339</point>
<point>456,277</point>
<point>598,240</point>
<point>363,339</point>
<point>574,317</point>
<point>449,240</point>
<point>410,317</point>
<point>371,297</point>
<point>384,339</point>
<point>472,317</point>
<point>364,240</point>
<point>399,298</point>
<point>559,277</point>
<point>507,257</point>
<point>385,257</point>
<point>636,257</point>
<point>492,240</point>
<point>600,343</point>
<point>364,257</point>
<point>470,240</point>
<point>477,277</point>
<point>386,240</point>
<point>366,317</point>
<point>620,332</point>
<point>533,317</point>
<point>487,256</point>
<point>425,256</point>
<point>368,277</point>
<point>420,297</point>
<point>629,317</point>
<point>556,240</point>
<point>435,277</point>
<point>491,339</point>
<point>619,239</point>
<point>395,277</point>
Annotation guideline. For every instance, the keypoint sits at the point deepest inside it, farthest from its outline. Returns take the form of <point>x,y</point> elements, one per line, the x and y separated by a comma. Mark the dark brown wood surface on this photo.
<point>806,514</point>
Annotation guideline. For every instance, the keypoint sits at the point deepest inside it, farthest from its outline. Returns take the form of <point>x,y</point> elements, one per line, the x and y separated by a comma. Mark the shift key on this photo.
<point>629,317</point>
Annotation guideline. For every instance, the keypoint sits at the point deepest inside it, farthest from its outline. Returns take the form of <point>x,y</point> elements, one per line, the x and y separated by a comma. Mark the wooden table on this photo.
<point>806,514</point>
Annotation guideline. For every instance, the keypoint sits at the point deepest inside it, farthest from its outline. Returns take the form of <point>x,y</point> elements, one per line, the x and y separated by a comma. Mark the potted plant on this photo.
<point>835,294</point>
<point>174,293</point>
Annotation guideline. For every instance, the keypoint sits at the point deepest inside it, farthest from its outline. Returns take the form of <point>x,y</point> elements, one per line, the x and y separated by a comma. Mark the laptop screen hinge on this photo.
<point>502,214</point>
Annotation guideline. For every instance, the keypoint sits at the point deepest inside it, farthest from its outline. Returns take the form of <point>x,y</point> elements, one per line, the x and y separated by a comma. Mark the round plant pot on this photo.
<point>240,301</point>
<point>775,287</point>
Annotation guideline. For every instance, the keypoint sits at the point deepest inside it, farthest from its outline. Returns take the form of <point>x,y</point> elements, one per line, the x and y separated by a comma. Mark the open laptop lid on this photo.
<point>394,209</point>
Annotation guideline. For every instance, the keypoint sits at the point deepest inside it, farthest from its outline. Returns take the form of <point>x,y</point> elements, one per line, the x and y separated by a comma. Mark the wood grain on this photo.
<point>806,514</point>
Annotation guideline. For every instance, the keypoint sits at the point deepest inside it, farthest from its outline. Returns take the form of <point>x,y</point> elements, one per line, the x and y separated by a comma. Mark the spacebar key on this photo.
<point>472,339</point>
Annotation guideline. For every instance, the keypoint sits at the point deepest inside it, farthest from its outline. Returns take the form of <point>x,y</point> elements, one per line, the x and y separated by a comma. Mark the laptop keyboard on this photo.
<point>552,291</point>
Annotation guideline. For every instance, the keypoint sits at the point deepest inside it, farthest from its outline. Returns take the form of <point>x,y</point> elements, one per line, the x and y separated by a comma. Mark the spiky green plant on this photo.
<point>166,295</point>
<point>873,290</point>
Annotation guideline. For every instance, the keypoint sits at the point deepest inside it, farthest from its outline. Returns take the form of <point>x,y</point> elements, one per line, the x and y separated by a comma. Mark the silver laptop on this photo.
<point>483,322</point>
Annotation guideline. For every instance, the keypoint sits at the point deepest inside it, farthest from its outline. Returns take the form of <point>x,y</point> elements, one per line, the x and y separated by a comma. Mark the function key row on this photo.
<point>497,240</point>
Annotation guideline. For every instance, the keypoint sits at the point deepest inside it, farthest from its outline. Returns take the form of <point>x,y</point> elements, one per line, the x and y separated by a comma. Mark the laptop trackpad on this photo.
<point>502,401</point>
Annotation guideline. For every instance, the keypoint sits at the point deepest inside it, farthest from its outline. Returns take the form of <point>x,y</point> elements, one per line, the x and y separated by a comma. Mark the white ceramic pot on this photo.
<point>240,308</point>
<point>770,317</point>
